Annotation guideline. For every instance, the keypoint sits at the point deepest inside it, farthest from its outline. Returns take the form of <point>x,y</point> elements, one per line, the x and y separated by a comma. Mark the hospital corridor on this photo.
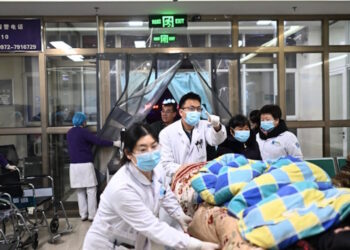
<point>174,124</point>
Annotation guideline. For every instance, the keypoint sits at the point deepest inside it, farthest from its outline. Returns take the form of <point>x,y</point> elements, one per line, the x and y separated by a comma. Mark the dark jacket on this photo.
<point>249,149</point>
<point>3,161</point>
<point>80,142</point>
<point>157,127</point>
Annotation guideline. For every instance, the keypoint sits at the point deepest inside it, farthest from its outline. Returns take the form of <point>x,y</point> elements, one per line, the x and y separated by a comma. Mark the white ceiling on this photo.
<point>133,8</point>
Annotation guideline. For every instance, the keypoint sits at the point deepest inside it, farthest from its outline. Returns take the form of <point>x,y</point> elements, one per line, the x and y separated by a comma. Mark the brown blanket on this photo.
<point>213,224</point>
<point>181,186</point>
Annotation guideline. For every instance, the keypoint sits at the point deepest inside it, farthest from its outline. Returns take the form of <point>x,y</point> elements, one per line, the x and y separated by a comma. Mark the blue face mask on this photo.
<point>242,135</point>
<point>192,118</point>
<point>148,161</point>
<point>267,125</point>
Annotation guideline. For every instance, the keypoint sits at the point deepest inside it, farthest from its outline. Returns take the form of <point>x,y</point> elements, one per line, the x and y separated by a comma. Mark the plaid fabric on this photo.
<point>294,212</point>
<point>269,183</point>
<point>206,181</point>
<point>283,161</point>
<point>226,160</point>
<point>231,180</point>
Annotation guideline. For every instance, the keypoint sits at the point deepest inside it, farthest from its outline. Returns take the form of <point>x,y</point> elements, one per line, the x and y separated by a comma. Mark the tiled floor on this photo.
<point>71,241</point>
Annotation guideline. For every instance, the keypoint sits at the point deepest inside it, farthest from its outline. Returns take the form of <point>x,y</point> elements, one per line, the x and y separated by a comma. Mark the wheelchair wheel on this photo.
<point>54,224</point>
<point>35,241</point>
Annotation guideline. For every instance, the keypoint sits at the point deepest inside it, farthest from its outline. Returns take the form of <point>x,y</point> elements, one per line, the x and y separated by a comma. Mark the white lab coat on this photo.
<point>176,148</point>
<point>129,209</point>
<point>284,144</point>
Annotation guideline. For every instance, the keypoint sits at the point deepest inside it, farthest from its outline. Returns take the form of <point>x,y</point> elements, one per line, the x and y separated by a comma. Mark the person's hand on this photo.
<point>184,221</point>
<point>117,144</point>
<point>195,244</point>
<point>213,119</point>
<point>10,167</point>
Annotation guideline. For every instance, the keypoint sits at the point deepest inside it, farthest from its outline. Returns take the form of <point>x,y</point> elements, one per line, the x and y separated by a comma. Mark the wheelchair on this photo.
<point>14,232</point>
<point>33,196</point>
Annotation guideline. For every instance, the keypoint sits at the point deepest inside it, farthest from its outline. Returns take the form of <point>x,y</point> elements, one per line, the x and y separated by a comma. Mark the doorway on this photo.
<point>136,82</point>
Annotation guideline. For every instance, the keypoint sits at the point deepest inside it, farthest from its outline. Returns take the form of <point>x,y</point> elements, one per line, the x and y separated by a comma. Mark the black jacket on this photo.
<point>250,149</point>
<point>157,127</point>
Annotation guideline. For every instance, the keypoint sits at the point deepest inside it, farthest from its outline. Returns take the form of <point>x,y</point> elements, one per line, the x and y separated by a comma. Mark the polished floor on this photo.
<point>71,241</point>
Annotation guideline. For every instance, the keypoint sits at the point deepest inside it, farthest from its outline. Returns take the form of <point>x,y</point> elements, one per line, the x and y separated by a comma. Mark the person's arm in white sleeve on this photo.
<point>214,138</point>
<point>293,147</point>
<point>173,208</point>
<point>134,212</point>
<point>167,160</point>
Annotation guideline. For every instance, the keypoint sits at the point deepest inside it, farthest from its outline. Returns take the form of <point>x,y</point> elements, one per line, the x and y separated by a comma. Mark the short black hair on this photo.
<point>189,96</point>
<point>133,134</point>
<point>273,110</point>
<point>254,116</point>
<point>238,121</point>
<point>174,105</point>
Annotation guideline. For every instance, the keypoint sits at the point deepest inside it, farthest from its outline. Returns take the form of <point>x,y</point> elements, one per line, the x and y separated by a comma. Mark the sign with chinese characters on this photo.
<point>167,21</point>
<point>164,38</point>
<point>20,35</point>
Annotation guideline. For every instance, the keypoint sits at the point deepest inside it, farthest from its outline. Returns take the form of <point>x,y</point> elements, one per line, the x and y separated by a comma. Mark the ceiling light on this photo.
<point>135,23</point>
<point>66,47</point>
<point>263,22</point>
<point>140,44</point>
<point>61,45</point>
<point>76,58</point>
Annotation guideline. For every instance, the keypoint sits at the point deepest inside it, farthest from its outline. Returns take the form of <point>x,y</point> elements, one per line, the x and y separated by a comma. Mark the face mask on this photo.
<point>242,135</point>
<point>267,125</point>
<point>148,161</point>
<point>192,118</point>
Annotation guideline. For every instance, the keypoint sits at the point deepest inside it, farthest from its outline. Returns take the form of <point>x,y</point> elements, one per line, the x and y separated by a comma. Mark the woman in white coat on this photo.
<point>274,139</point>
<point>127,216</point>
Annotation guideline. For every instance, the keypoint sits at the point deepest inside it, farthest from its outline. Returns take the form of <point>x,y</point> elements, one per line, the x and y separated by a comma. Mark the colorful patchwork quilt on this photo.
<point>276,202</point>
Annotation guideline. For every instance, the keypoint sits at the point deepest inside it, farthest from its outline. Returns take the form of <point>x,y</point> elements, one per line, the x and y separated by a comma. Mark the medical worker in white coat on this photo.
<point>127,216</point>
<point>185,141</point>
<point>274,139</point>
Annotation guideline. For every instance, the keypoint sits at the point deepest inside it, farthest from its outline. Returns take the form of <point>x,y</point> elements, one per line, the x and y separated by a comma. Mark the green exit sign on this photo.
<point>167,21</point>
<point>164,38</point>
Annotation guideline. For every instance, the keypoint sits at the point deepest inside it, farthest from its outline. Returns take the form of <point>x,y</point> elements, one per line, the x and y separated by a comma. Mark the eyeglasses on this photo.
<point>199,109</point>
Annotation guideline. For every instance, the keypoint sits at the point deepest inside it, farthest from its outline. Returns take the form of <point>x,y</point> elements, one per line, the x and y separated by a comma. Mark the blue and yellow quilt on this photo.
<point>277,202</point>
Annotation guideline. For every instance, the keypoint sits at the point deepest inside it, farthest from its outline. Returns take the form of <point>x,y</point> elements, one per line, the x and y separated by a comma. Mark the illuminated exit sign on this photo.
<point>164,38</point>
<point>167,21</point>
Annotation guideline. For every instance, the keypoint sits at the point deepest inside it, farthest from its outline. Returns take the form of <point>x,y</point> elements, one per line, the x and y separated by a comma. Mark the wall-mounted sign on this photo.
<point>164,38</point>
<point>167,21</point>
<point>20,35</point>
<point>6,93</point>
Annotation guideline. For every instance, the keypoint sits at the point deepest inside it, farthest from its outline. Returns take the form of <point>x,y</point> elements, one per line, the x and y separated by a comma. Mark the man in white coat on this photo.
<point>185,141</point>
